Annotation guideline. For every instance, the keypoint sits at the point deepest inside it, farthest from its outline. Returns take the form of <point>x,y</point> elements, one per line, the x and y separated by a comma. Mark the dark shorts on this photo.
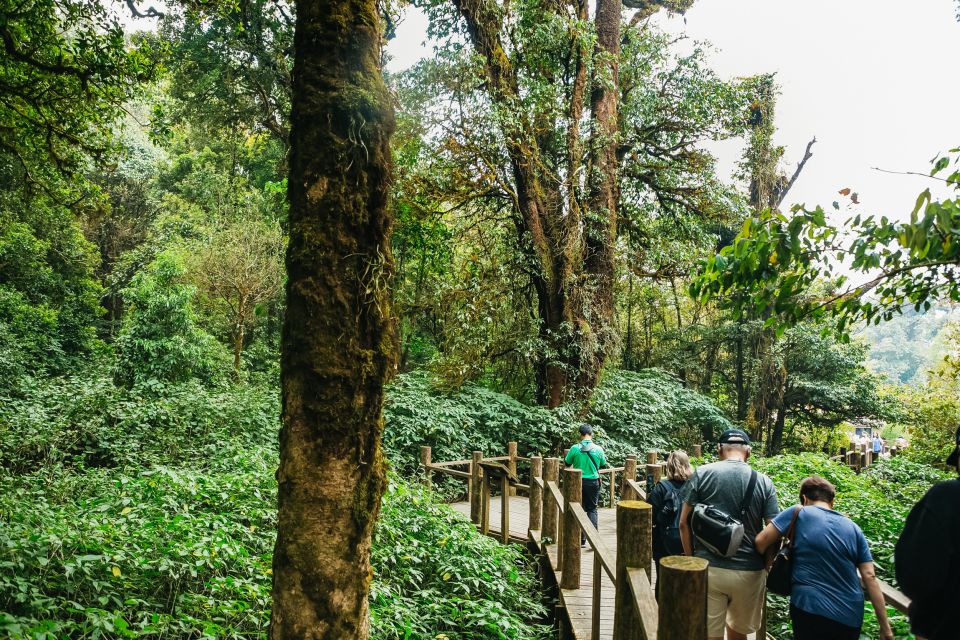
<point>810,626</point>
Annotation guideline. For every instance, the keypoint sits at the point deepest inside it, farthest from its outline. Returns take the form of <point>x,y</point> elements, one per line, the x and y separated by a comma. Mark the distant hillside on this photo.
<point>904,348</point>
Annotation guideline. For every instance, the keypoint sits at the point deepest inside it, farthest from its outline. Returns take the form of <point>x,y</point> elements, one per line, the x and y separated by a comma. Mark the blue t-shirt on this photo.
<point>827,550</point>
<point>877,445</point>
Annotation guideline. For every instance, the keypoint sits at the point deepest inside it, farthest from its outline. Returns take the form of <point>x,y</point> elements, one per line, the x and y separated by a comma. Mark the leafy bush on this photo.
<point>180,553</point>
<point>651,409</point>
<point>87,420</point>
<point>436,576</point>
<point>160,339</point>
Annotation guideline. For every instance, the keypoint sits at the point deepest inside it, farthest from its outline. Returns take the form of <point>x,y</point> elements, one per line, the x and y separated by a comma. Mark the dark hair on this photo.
<point>817,489</point>
<point>586,430</point>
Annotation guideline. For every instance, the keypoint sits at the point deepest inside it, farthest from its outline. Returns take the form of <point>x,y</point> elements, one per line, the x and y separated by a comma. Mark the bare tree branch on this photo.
<point>807,154</point>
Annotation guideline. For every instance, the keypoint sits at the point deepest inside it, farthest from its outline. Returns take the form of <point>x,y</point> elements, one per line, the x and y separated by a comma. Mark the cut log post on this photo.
<point>697,451</point>
<point>425,456</point>
<point>634,550</point>
<point>476,490</point>
<point>629,473</point>
<point>651,457</point>
<point>570,542</point>
<point>893,452</point>
<point>682,585</point>
<point>512,463</point>
<point>505,506</point>
<point>654,473</point>
<point>551,471</point>
<point>536,493</point>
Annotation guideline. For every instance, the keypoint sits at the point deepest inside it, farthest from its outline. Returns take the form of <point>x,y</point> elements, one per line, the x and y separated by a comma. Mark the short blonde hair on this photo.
<point>678,466</point>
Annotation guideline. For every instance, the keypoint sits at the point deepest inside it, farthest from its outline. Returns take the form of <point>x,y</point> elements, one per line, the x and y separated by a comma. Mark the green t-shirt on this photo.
<point>580,455</point>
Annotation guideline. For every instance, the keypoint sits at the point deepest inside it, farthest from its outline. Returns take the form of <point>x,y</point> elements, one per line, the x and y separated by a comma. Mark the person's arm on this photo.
<point>686,535</point>
<point>569,457</point>
<point>767,538</point>
<point>876,599</point>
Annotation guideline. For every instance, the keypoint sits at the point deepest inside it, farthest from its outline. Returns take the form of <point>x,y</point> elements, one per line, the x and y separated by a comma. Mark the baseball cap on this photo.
<point>734,436</point>
<point>952,460</point>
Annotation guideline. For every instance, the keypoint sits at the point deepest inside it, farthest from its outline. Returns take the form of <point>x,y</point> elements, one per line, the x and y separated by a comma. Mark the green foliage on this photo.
<point>159,339</point>
<point>651,409</point>
<point>775,265</point>
<point>434,576</point>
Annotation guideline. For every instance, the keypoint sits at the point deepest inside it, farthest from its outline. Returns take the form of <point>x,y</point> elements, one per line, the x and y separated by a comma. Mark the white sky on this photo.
<point>871,79</point>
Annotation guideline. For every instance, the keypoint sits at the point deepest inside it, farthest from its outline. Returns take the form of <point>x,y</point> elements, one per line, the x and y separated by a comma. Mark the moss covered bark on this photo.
<point>338,341</point>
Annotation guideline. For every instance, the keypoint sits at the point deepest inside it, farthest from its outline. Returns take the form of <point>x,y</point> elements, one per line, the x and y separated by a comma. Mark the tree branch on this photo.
<point>806,156</point>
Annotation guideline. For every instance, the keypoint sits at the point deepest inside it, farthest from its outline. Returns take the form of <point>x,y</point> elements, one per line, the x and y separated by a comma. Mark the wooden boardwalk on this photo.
<point>577,602</point>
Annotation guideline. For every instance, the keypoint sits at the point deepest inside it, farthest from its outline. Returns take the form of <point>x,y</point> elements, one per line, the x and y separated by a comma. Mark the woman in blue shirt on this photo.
<point>826,601</point>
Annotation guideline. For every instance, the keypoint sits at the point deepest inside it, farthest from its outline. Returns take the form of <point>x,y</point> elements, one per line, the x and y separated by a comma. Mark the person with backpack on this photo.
<point>667,506</point>
<point>725,506</point>
<point>927,557</point>
<point>589,458</point>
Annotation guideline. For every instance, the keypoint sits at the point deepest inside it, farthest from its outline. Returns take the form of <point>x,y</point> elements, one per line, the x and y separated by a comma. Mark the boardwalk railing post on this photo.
<point>697,451</point>
<point>682,583</point>
<point>551,471</point>
<point>485,505</point>
<point>570,551</point>
<point>634,550</point>
<point>651,457</point>
<point>505,509</point>
<point>629,473</point>
<point>654,473</point>
<point>512,463</point>
<point>536,494</point>
<point>475,489</point>
<point>425,463</point>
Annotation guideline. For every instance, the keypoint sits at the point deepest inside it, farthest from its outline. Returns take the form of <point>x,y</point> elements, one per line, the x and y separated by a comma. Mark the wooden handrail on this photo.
<point>600,550</point>
<point>644,601</point>
<point>635,487</point>
<point>450,472</point>
<point>553,491</point>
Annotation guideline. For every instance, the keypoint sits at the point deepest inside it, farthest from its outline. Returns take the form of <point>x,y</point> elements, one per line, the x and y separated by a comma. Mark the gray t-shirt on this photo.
<point>723,484</point>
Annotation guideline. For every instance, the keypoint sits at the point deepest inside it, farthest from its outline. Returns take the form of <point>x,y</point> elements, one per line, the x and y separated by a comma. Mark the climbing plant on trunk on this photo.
<point>338,342</point>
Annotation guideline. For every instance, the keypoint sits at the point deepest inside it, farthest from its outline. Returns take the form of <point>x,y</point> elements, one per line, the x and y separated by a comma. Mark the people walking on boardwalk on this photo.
<point>667,507</point>
<point>877,446</point>
<point>735,582</point>
<point>927,557</point>
<point>589,458</point>
<point>826,598</point>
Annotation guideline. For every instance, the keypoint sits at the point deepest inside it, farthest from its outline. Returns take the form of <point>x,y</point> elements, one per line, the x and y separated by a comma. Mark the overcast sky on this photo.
<point>875,81</point>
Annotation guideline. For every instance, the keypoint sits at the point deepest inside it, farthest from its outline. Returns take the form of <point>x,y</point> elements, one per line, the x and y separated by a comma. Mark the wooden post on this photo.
<point>651,457</point>
<point>893,452</point>
<point>654,473</point>
<point>476,478</point>
<point>536,493</point>
<point>551,471</point>
<point>425,462</point>
<point>697,451</point>
<point>629,473</point>
<point>682,585</point>
<point>613,488</point>
<point>634,549</point>
<point>485,505</point>
<point>570,552</point>
<point>505,513</point>
<point>512,463</point>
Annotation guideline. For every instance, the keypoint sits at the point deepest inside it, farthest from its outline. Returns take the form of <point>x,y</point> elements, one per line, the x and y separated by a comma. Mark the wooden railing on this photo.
<point>557,518</point>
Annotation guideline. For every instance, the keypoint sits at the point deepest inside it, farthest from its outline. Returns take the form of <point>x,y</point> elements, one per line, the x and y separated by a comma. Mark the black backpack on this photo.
<point>668,520</point>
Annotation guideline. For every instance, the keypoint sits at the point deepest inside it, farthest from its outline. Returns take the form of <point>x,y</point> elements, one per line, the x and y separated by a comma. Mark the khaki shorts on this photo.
<point>734,598</point>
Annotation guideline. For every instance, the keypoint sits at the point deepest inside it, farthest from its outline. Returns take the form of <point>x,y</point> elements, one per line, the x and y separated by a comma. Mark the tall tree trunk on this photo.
<point>339,344</point>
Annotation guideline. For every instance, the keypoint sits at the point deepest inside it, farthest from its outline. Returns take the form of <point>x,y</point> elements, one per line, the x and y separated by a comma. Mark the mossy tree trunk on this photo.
<point>338,341</point>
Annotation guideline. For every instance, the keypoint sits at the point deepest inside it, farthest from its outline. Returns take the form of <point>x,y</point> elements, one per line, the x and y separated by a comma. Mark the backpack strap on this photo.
<point>748,496</point>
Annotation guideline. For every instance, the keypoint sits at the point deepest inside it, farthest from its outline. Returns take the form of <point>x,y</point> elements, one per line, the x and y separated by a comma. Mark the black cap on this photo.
<point>734,436</point>
<point>586,430</point>
<point>952,460</point>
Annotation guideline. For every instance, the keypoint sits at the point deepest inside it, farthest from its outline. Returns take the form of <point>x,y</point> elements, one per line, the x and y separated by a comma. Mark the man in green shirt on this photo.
<point>589,458</point>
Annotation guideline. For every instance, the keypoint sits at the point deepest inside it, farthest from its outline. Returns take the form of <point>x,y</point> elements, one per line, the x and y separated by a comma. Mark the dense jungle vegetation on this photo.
<point>562,249</point>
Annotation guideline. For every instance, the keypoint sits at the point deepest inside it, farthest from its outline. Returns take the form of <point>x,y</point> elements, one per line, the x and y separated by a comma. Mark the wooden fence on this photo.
<point>557,517</point>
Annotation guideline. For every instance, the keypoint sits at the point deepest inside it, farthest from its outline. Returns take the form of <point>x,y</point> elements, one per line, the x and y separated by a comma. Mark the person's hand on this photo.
<point>886,633</point>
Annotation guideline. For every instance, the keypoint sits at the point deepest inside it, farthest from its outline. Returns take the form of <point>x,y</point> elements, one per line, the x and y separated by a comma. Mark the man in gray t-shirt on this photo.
<point>735,585</point>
